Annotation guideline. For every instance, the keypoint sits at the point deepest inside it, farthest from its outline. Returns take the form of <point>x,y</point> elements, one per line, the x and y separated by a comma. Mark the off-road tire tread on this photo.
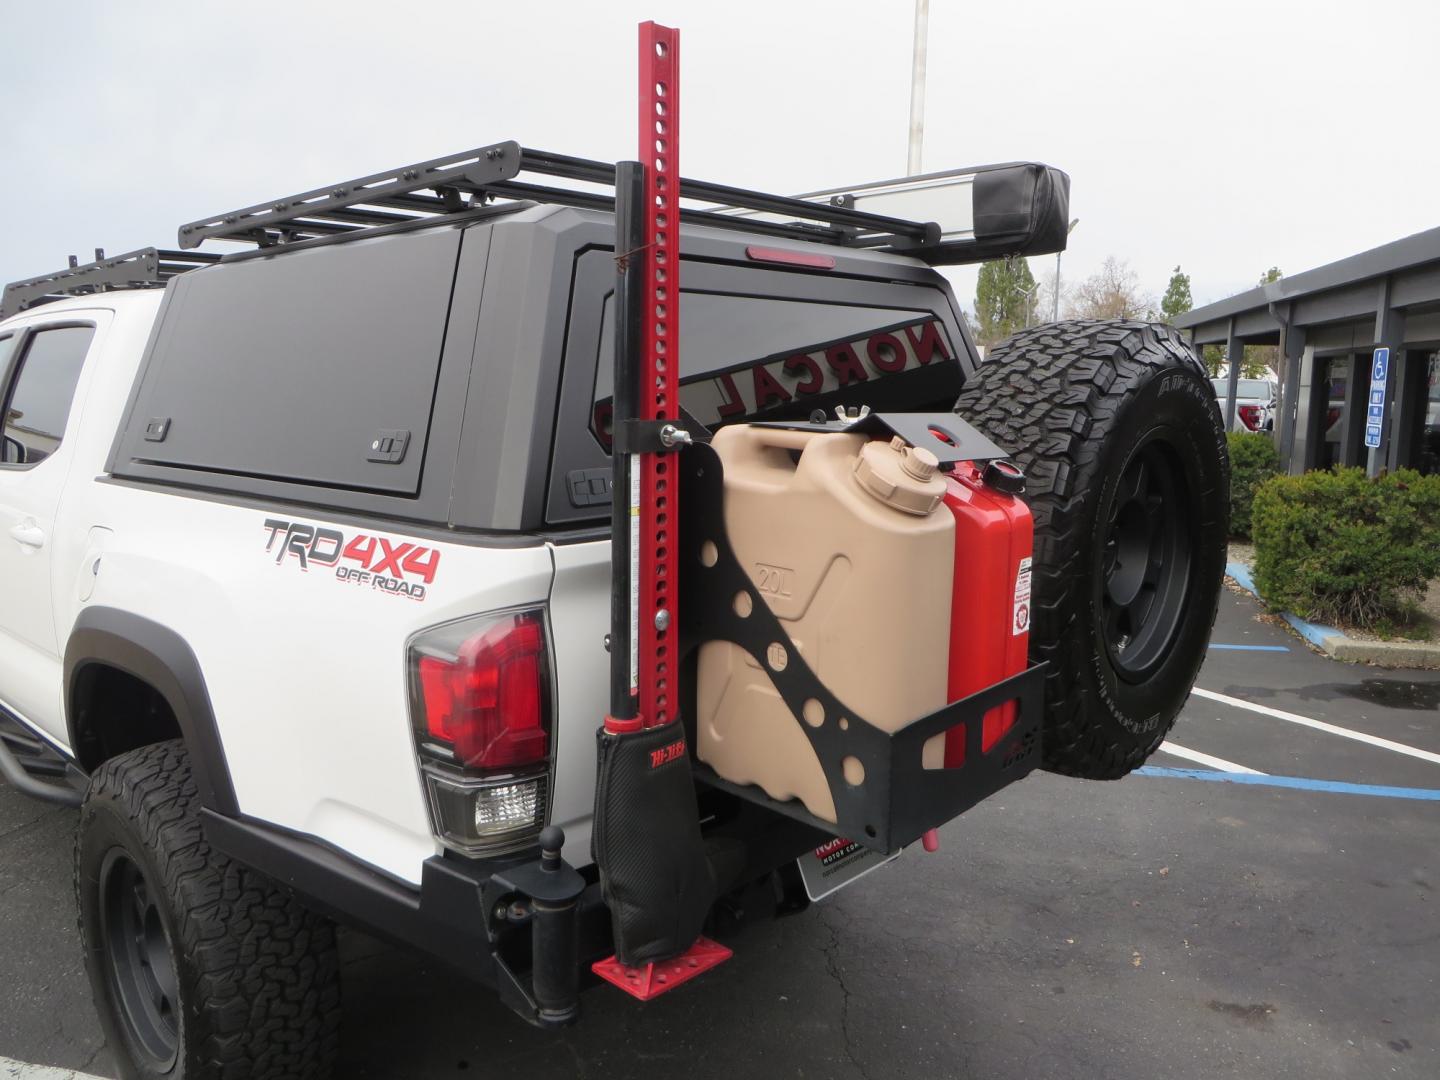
<point>268,1002</point>
<point>1042,394</point>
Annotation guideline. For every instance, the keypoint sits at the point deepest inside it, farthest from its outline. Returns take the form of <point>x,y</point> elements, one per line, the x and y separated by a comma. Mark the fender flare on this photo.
<point>158,656</point>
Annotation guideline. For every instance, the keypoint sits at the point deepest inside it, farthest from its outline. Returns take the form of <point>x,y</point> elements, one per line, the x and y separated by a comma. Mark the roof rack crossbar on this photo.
<point>436,188</point>
<point>142,268</point>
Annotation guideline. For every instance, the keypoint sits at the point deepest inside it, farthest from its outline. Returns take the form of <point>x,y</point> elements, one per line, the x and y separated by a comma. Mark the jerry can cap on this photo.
<point>901,476</point>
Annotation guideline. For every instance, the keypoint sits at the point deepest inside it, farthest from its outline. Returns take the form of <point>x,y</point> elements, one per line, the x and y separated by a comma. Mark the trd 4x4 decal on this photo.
<point>399,568</point>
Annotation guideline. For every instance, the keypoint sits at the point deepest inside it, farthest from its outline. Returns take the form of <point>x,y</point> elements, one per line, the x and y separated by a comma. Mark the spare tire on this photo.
<point>1127,475</point>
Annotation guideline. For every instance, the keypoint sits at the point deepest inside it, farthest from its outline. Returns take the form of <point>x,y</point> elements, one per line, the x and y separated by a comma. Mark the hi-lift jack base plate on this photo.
<point>651,980</point>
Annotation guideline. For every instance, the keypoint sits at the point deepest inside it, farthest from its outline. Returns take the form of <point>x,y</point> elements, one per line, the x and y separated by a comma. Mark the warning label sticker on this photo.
<point>1021,621</point>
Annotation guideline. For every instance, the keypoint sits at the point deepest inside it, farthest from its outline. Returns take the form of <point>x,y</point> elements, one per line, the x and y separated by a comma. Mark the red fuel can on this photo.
<point>990,606</point>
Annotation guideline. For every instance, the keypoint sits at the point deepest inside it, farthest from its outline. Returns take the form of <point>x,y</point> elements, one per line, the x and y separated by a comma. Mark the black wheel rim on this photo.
<point>1146,560</point>
<point>136,947</point>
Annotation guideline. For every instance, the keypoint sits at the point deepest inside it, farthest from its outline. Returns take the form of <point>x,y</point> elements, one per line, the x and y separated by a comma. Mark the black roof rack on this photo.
<point>433,190</point>
<point>146,268</point>
<point>463,184</point>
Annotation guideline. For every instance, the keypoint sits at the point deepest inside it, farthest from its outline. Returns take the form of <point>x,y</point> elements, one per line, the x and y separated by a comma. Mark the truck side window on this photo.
<point>38,403</point>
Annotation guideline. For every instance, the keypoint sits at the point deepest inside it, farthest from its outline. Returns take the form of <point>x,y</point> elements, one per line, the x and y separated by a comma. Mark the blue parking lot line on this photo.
<point>1251,648</point>
<point>1298,782</point>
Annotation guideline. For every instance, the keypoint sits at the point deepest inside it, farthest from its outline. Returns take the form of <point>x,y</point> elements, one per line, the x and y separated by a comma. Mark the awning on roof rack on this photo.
<point>985,212</point>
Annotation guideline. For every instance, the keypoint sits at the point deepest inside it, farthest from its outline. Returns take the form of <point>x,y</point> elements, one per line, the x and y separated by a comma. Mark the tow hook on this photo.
<point>553,888</point>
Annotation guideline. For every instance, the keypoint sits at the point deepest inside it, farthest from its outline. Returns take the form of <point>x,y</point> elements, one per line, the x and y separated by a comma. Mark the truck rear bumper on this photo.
<point>463,913</point>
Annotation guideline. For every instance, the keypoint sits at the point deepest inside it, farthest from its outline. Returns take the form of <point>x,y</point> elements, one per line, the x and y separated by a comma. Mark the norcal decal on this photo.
<point>749,390</point>
<point>399,569</point>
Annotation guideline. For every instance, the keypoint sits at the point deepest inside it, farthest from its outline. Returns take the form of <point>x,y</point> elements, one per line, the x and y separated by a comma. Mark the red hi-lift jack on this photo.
<point>644,650</point>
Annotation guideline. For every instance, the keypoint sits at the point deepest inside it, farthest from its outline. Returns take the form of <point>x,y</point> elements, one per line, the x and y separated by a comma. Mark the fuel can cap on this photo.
<point>900,476</point>
<point>1004,476</point>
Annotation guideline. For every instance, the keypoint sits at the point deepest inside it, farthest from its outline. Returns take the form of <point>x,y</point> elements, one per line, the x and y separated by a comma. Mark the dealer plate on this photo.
<point>836,864</point>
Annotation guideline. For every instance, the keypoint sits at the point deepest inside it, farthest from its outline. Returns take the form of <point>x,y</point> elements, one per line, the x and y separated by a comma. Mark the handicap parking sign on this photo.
<point>1375,416</point>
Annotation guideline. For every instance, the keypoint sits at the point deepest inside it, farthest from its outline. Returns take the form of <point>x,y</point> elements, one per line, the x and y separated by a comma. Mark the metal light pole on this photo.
<point>917,87</point>
<point>1029,295</point>
<point>1055,316</point>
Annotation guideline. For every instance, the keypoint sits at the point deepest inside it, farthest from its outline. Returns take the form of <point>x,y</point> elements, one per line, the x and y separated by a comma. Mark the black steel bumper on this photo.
<point>469,913</point>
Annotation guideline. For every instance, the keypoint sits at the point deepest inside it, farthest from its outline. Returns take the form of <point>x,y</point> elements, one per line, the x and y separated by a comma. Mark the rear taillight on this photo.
<point>485,701</point>
<point>480,709</point>
<point>1250,416</point>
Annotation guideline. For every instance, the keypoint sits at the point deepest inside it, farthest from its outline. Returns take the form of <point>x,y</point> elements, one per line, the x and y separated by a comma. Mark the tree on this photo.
<point>1177,299</point>
<point>1112,292</point>
<point>1004,299</point>
<point>1213,356</point>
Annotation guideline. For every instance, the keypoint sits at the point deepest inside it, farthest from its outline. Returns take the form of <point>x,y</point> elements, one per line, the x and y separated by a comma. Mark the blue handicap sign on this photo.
<point>1379,372</point>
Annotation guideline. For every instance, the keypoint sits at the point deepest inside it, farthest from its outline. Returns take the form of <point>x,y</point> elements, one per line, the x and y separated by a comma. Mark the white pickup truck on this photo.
<point>307,567</point>
<point>1255,403</point>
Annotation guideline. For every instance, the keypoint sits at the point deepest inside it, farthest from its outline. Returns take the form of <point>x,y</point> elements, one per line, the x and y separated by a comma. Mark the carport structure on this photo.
<point>1327,323</point>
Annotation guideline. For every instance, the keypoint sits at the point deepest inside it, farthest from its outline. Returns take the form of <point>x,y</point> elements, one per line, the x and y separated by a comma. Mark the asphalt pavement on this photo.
<point>1261,901</point>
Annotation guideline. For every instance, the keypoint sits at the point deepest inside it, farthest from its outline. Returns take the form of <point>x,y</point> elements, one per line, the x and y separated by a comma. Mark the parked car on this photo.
<point>1255,403</point>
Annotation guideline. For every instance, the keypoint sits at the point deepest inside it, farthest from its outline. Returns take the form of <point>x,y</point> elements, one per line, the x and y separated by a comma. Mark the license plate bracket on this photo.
<point>838,863</point>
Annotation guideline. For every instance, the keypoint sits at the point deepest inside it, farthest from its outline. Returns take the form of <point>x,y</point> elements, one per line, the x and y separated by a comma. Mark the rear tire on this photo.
<point>200,969</point>
<point>1128,478</point>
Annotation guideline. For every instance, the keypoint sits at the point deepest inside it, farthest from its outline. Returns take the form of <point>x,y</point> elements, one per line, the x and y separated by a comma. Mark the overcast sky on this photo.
<point>1223,136</point>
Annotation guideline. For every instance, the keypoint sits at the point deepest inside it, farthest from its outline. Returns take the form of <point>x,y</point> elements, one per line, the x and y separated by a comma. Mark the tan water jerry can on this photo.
<point>849,544</point>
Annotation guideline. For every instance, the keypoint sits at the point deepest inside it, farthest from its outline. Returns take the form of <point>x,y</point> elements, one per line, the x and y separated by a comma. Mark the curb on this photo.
<point>1335,644</point>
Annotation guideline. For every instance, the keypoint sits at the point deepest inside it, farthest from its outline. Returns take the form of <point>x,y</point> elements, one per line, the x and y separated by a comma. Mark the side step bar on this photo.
<point>39,759</point>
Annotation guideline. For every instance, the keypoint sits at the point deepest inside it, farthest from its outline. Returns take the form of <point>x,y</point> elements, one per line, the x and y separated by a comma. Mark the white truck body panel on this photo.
<point>275,642</point>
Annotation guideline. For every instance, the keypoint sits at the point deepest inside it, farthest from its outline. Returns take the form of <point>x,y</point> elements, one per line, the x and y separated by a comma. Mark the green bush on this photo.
<point>1253,460</point>
<point>1340,548</point>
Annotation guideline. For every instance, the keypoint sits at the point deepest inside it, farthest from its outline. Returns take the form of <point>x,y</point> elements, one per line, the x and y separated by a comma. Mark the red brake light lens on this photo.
<point>485,697</point>
<point>814,260</point>
<point>1250,416</point>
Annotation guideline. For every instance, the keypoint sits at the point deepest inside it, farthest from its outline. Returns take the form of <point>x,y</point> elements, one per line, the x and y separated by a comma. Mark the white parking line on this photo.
<point>20,1070</point>
<point>1321,725</point>
<point>1176,750</point>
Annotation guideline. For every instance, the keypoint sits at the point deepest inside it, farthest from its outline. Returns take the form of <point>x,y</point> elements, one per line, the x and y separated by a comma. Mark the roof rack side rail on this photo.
<point>470,171</point>
<point>144,268</point>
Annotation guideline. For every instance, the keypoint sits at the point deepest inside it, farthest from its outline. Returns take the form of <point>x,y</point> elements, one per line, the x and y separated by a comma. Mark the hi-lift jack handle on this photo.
<point>644,644</point>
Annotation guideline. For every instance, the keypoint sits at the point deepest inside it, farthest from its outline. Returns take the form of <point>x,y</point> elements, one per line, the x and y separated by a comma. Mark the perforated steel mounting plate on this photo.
<point>948,436</point>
